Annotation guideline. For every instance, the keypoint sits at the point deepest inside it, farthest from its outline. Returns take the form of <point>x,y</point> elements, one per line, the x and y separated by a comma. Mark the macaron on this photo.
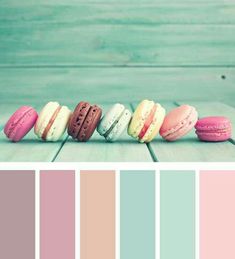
<point>20,123</point>
<point>146,121</point>
<point>178,122</point>
<point>84,121</point>
<point>52,121</point>
<point>114,122</point>
<point>214,128</point>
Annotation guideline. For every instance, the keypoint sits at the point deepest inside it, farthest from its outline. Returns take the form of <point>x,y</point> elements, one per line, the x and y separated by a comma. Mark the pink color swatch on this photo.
<point>57,214</point>
<point>97,215</point>
<point>217,215</point>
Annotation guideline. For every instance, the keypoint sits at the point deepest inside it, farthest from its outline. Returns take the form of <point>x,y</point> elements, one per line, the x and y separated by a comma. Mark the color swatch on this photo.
<point>97,214</point>
<point>17,214</point>
<point>217,214</point>
<point>177,208</point>
<point>57,214</point>
<point>137,214</point>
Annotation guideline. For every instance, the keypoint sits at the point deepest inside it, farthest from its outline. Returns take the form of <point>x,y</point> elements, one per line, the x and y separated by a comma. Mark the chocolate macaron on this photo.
<point>84,121</point>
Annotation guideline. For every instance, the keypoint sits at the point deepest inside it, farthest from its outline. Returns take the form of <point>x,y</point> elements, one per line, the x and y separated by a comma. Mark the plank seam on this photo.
<point>60,148</point>
<point>111,66</point>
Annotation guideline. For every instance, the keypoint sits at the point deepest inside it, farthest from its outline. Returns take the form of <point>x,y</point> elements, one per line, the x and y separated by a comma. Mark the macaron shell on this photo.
<point>59,125</point>
<point>120,126</point>
<point>178,122</point>
<point>140,115</point>
<point>214,128</point>
<point>213,123</point>
<point>109,118</point>
<point>90,123</point>
<point>14,120</point>
<point>214,136</point>
<point>77,119</point>
<point>175,117</point>
<point>156,124</point>
<point>20,123</point>
<point>186,128</point>
<point>44,117</point>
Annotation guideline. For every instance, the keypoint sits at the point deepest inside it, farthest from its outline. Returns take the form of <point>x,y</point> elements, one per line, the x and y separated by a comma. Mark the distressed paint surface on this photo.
<point>117,51</point>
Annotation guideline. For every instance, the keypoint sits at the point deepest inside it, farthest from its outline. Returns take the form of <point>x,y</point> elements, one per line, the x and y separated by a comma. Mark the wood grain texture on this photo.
<point>98,150</point>
<point>118,14</point>
<point>190,149</point>
<point>70,85</point>
<point>72,44</point>
<point>21,3</point>
<point>30,149</point>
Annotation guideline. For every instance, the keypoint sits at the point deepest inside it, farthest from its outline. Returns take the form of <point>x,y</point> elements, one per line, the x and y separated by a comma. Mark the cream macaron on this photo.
<point>52,121</point>
<point>146,121</point>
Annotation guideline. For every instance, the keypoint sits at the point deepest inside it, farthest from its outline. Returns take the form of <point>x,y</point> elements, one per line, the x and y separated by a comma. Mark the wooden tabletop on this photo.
<point>187,149</point>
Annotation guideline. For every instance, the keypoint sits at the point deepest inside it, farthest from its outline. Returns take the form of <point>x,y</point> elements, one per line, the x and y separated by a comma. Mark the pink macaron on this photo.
<point>20,123</point>
<point>214,128</point>
<point>178,122</point>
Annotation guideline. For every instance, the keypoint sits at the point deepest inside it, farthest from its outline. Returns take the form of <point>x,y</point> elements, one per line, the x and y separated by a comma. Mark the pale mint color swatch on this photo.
<point>177,213</point>
<point>137,214</point>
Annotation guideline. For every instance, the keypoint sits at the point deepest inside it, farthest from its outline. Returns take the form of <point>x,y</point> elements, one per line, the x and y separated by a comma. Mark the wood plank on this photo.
<point>190,149</point>
<point>37,86</point>
<point>98,150</point>
<point>128,14</point>
<point>78,2</point>
<point>72,44</point>
<point>215,109</point>
<point>30,149</point>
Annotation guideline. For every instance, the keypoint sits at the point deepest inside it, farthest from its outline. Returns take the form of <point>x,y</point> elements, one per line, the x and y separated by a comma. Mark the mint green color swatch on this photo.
<point>177,213</point>
<point>137,214</point>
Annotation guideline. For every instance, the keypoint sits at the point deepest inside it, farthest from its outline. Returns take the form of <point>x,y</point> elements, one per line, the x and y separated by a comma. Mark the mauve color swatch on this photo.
<point>57,215</point>
<point>17,215</point>
<point>217,215</point>
<point>97,214</point>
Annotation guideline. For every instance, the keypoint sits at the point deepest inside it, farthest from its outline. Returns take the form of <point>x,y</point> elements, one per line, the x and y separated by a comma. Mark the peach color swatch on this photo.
<point>97,199</point>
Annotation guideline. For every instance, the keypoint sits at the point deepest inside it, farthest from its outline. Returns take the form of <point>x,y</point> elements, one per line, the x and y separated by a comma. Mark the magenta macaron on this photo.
<point>178,122</point>
<point>20,123</point>
<point>214,128</point>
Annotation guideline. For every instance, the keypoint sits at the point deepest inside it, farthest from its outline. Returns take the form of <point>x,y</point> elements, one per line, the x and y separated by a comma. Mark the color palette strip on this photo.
<point>87,201</point>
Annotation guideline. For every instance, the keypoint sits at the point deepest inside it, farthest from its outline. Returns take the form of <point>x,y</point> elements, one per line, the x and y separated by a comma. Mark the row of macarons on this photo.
<point>148,119</point>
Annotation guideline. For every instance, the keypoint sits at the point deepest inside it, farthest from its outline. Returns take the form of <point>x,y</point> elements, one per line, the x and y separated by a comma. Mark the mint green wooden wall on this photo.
<point>122,50</point>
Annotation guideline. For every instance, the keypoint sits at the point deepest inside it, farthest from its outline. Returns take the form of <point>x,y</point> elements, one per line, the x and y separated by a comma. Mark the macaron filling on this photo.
<point>148,122</point>
<point>50,123</point>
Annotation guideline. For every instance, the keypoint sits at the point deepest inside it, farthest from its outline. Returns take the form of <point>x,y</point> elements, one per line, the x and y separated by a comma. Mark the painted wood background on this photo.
<point>172,51</point>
